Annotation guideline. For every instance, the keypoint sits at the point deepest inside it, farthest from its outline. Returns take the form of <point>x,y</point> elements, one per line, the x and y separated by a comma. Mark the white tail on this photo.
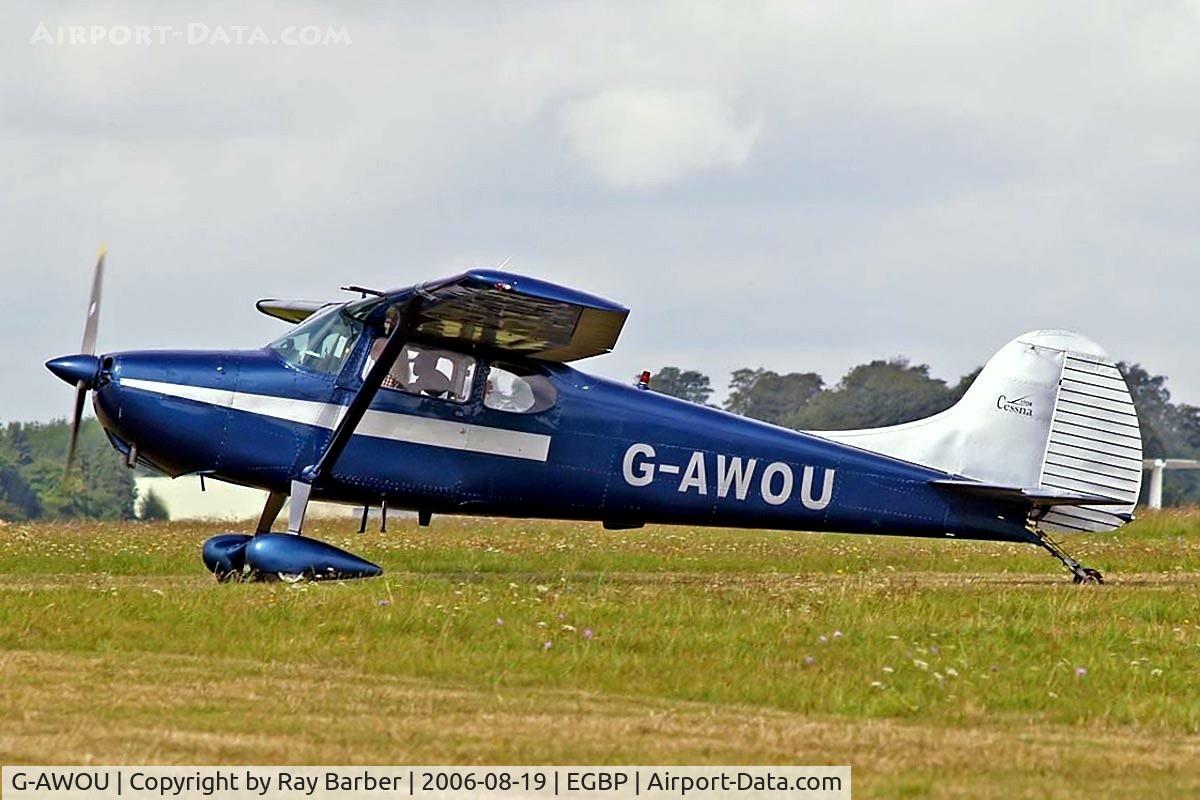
<point>1049,411</point>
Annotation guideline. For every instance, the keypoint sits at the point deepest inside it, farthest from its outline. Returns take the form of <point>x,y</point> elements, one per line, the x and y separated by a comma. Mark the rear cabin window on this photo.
<point>518,391</point>
<point>427,371</point>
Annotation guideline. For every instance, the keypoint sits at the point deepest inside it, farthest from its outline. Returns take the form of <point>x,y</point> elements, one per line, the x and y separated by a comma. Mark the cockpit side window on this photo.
<point>427,371</point>
<point>321,343</point>
<point>518,391</point>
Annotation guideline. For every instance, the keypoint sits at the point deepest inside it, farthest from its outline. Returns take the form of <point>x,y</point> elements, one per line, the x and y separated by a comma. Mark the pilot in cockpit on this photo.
<point>428,380</point>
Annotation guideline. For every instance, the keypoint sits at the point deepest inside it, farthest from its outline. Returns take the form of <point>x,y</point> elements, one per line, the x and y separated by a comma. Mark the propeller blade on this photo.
<point>76,418</point>
<point>88,347</point>
<point>93,312</point>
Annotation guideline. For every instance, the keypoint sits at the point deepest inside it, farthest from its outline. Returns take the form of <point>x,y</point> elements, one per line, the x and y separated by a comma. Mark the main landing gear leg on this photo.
<point>271,508</point>
<point>1080,573</point>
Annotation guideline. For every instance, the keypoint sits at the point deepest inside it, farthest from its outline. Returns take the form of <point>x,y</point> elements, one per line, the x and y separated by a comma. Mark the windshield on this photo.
<point>321,343</point>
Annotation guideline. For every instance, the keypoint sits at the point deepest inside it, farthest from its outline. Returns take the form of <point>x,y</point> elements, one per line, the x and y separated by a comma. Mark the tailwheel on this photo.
<point>1080,574</point>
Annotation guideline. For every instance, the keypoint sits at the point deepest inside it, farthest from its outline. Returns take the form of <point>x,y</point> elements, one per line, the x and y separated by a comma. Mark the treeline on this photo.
<point>895,391</point>
<point>32,485</point>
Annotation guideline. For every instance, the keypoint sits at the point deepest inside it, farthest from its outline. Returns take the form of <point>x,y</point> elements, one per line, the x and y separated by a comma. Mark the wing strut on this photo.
<point>312,475</point>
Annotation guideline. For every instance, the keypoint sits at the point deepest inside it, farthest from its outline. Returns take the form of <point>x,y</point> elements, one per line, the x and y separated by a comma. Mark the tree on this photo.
<point>18,441</point>
<point>769,396</point>
<point>687,385</point>
<point>959,389</point>
<point>1152,401</point>
<point>1168,430</point>
<point>153,508</point>
<point>17,499</point>
<point>32,484</point>
<point>876,394</point>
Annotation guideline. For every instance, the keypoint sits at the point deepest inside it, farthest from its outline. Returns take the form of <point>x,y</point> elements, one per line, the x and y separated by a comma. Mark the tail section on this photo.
<point>1049,415</point>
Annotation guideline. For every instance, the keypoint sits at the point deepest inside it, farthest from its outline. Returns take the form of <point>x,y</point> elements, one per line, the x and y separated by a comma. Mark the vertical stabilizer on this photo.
<point>1049,411</point>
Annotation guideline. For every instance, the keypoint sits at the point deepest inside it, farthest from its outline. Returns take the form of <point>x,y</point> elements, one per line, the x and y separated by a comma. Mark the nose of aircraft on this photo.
<point>76,368</point>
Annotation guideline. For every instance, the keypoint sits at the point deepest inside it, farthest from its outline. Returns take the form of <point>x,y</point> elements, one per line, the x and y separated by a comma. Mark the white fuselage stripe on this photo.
<point>376,424</point>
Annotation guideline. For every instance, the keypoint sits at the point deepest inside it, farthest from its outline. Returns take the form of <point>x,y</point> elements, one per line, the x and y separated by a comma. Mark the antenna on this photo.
<point>504,264</point>
<point>363,290</point>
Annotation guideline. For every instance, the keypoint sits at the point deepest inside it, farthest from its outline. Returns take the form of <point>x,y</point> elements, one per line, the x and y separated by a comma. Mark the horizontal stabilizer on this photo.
<point>1035,496</point>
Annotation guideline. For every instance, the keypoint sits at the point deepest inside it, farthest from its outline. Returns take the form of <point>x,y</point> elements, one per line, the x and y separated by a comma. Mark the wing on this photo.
<point>513,313</point>
<point>290,310</point>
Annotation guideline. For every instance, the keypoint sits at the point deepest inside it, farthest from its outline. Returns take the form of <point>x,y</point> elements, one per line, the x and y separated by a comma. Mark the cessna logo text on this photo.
<point>1021,405</point>
<point>727,476</point>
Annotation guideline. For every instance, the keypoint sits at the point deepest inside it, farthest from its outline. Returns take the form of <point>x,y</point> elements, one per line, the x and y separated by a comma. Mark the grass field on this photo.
<point>935,668</point>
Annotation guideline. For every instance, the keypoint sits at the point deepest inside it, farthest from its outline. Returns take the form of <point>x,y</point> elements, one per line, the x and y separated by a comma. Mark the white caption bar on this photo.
<point>369,783</point>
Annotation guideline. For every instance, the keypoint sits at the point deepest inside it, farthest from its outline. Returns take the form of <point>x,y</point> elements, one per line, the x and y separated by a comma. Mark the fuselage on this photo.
<point>598,450</point>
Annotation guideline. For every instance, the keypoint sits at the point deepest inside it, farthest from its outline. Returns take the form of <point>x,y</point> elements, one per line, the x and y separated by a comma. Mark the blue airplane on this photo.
<point>455,396</point>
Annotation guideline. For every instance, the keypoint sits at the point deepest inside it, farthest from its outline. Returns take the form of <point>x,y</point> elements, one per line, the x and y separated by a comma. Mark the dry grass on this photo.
<point>946,669</point>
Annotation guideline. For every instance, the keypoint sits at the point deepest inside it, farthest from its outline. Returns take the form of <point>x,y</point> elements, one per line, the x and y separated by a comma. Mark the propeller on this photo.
<point>81,369</point>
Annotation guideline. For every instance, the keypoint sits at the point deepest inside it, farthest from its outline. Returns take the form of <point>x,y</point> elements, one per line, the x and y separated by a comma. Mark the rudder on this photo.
<point>1094,446</point>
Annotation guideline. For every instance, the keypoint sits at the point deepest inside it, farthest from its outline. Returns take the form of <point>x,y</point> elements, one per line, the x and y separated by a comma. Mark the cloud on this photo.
<point>646,138</point>
<point>797,186</point>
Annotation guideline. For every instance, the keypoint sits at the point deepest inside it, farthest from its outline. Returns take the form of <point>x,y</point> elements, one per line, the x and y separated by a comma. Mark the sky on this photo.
<point>797,186</point>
